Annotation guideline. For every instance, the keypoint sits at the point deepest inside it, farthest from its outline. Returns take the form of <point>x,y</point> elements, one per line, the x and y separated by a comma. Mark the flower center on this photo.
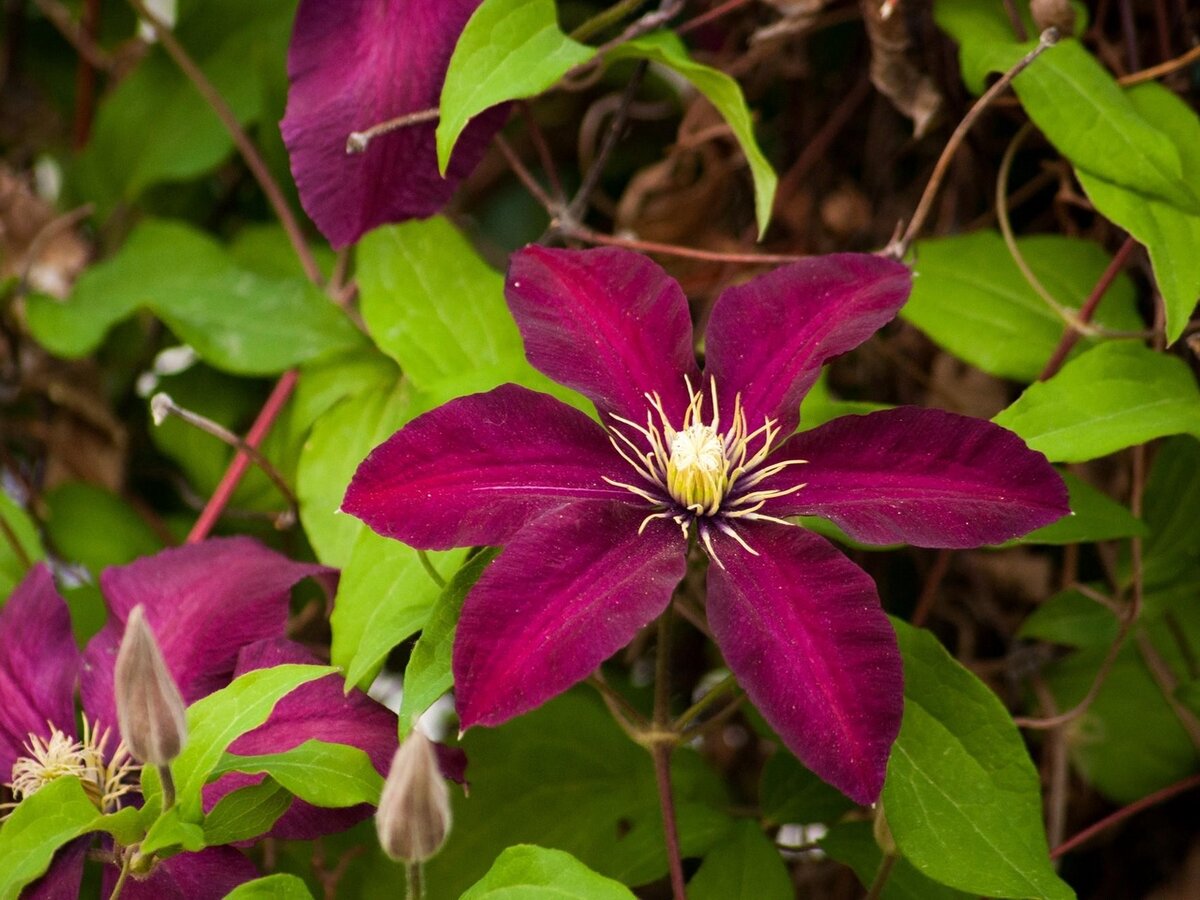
<point>697,471</point>
<point>104,780</point>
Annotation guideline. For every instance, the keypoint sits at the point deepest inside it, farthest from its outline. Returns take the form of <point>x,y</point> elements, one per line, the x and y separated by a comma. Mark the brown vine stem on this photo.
<point>882,874</point>
<point>1162,69</point>
<point>605,19</point>
<point>661,750</point>
<point>715,13</point>
<point>1071,336</point>
<point>249,152</point>
<point>14,542</point>
<point>899,248</point>
<point>358,141</point>
<point>1124,813</point>
<point>588,236</point>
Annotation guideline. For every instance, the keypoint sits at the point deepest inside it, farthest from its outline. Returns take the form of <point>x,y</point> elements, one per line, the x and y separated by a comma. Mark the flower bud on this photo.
<point>413,818</point>
<point>1053,14</point>
<point>150,710</point>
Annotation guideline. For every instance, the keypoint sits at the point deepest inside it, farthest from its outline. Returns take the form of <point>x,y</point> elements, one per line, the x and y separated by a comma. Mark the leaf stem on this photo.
<point>661,752</point>
<point>604,19</point>
<point>120,885</point>
<point>433,573</point>
<point>714,694</point>
<point>882,874</point>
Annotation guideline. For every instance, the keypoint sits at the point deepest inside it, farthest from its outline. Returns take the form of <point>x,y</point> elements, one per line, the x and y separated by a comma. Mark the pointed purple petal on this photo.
<point>478,468</point>
<point>569,591</point>
<point>204,602</point>
<point>920,476</point>
<point>768,338</point>
<point>39,663</point>
<point>609,323</point>
<point>353,64</point>
<point>802,630</point>
<point>318,710</point>
<point>207,875</point>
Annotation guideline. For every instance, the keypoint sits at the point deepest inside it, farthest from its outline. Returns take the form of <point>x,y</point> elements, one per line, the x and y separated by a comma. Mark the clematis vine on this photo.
<point>217,609</point>
<point>595,518</point>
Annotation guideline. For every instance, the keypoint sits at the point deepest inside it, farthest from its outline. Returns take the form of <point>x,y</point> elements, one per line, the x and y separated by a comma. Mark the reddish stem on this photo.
<point>229,481</point>
<point>704,18</point>
<point>1124,813</point>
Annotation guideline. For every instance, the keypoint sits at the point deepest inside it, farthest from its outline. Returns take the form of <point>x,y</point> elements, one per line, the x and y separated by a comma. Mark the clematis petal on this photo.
<point>63,878</point>
<point>608,322</point>
<point>569,591</point>
<point>204,602</point>
<point>476,469</point>
<point>919,476</point>
<point>356,63</point>
<point>802,630</point>
<point>319,710</point>
<point>209,874</point>
<point>767,339</point>
<point>39,663</point>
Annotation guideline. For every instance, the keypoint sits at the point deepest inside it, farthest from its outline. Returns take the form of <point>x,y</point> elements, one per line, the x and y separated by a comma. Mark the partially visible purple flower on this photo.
<point>357,63</point>
<point>594,519</point>
<point>217,608</point>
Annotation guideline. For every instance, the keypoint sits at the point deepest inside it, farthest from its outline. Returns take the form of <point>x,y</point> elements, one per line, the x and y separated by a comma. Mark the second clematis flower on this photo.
<point>595,518</point>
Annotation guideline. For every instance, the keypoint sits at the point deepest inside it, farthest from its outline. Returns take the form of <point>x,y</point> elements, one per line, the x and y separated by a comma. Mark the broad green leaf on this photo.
<point>272,887</point>
<point>246,813</point>
<point>962,796</point>
<point>431,303</point>
<point>744,866</point>
<point>89,525</point>
<point>525,872</point>
<point>971,299</point>
<point>1171,500</point>
<point>665,48</point>
<point>59,812</point>
<point>321,773</point>
<point>1169,232</point>
<point>19,544</point>
<point>789,793</point>
<point>853,844</point>
<point>428,674</point>
<point>1095,517</point>
<point>171,832</point>
<point>581,786</point>
<point>237,320</point>
<point>384,597</point>
<point>1114,396</point>
<point>216,721</point>
<point>508,49</point>
<point>1073,620</point>
<point>267,250</point>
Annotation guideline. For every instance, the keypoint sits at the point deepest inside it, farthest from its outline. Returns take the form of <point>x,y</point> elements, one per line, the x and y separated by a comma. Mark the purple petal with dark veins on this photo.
<point>476,469</point>
<point>569,591</point>
<point>767,339</point>
<point>204,602</point>
<point>63,878</point>
<point>356,63</point>
<point>802,630</point>
<point>209,874</point>
<point>609,323</point>
<point>919,476</point>
<point>39,663</point>
<point>318,710</point>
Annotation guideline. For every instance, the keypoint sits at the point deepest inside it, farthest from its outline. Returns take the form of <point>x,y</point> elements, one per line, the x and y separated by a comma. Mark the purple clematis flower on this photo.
<point>217,608</point>
<point>594,518</point>
<point>357,63</point>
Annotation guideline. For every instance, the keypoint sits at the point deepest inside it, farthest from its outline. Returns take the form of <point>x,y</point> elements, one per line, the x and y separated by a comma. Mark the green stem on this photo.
<point>882,874</point>
<point>168,787</point>
<point>716,693</point>
<point>661,751</point>
<point>433,573</point>
<point>605,18</point>
<point>120,885</point>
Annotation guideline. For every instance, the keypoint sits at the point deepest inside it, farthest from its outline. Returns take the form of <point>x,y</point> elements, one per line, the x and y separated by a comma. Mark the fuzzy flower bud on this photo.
<point>150,710</point>
<point>1053,14</point>
<point>413,818</point>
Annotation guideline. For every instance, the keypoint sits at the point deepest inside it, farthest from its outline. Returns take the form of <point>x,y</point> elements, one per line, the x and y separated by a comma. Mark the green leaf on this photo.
<point>723,92</point>
<point>1169,232</point>
<point>1171,499</point>
<point>321,773</point>
<point>744,866</point>
<point>384,597</point>
<point>216,721</point>
<point>238,321</point>
<point>246,813</point>
<point>972,300</point>
<point>1073,620</point>
<point>170,832</point>
<point>1096,517</point>
<point>962,797</point>
<point>273,887</point>
<point>581,786</point>
<point>428,673</point>
<point>41,823</point>
<point>1114,396</point>
<point>508,49</point>
<point>525,872</point>
<point>820,405</point>
<point>89,525</point>
<point>18,544</point>
<point>853,844</point>
<point>789,793</point>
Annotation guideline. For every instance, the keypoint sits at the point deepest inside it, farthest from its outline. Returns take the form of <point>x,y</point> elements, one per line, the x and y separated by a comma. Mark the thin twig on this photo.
<point>60,17</point>
<point>526,177</point>
<point>882,874</point>
<point>1166,68</point>
<point>538,139</point>
<point>715,13</point>
<point>1124,813</point>
<point>1014,17</point>
<point>250,155</point>
<point>587,235</point>
<point>929,591</point>
<point>1167,683</point>
<point>661,752</point>
<point>358,141</point>
<point>898,249</point>
<point>14,542</point>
